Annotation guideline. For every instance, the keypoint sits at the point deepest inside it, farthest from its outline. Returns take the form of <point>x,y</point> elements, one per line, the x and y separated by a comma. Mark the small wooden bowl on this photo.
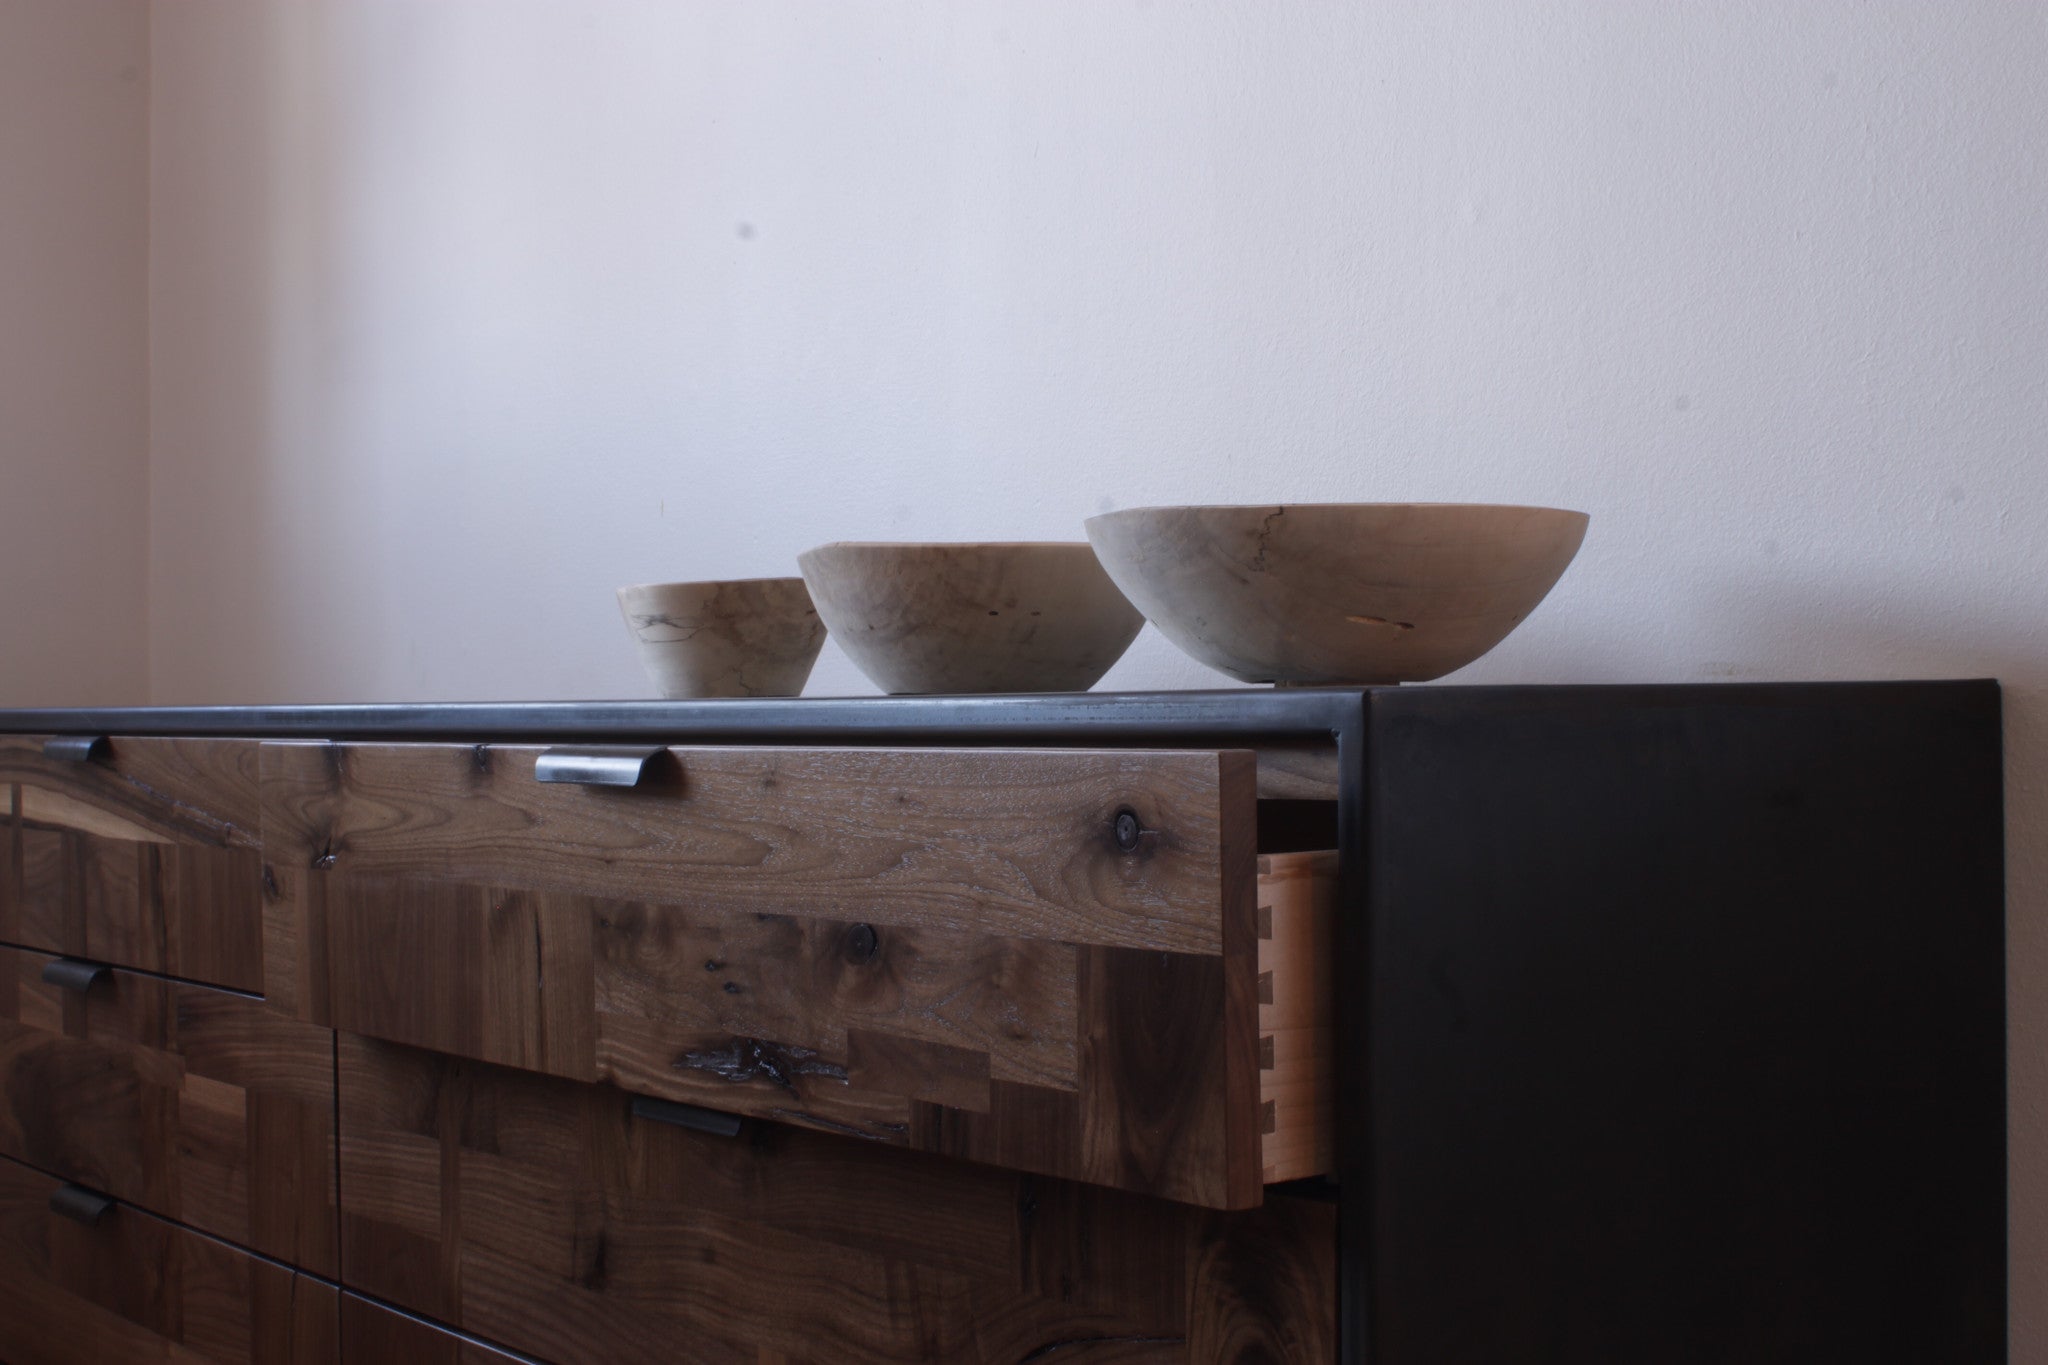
<point>748,637</point>
<point>945,618</point>
<point>1326,593</point>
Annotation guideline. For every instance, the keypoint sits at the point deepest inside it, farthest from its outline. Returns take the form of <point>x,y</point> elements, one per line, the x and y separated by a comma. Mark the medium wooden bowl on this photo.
<point>1326,593</point>
<point>944,618</point>
<point>748,637</point>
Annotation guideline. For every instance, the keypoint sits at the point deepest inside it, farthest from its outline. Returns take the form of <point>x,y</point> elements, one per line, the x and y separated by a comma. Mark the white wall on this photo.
<point>466,312</point>
<point>74,502</point>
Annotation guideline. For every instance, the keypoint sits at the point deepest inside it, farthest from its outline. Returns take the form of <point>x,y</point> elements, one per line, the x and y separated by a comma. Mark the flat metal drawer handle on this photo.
<point>78,748</point>
<point>79,1204</point>
<point>72,974</point>
<point>713,1121</point>
<point>610,765</point>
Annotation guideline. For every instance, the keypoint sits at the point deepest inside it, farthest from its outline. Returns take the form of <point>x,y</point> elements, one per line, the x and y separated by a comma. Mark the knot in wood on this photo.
<point>753,1059</point>
<point>862,943</point>
<point>1127,830</point>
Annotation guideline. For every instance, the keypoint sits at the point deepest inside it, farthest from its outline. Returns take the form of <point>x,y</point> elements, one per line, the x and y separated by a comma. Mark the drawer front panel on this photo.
<point>542,1214</point>
<point>1020,843</point>
<point>947,950</point>
<point>194,1103</point>
<point>146,855</point>
<point>130,1287</point>
<point>372,1334</point>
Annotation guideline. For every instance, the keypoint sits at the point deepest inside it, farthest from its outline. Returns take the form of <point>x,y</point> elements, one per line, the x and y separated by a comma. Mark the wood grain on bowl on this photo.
<point>750,637</point>
<point>938,618</point>
<point>1327,593</point>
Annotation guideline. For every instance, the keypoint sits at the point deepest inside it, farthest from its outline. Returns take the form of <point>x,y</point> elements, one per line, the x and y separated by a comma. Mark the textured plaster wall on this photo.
<point>74,490</point>
<point>465,312</point>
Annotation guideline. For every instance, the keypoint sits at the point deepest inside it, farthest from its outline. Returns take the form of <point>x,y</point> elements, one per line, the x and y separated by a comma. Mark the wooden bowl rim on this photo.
<point>908,546</point>
<point>796,579</point>
<point>1256,507</point>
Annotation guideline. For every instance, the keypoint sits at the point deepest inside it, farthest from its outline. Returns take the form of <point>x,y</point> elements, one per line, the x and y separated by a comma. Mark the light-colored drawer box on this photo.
<point>1297,1014</point>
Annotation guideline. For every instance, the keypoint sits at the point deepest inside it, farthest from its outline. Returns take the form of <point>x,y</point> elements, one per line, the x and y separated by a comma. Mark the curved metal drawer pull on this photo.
<point>77,748</point>
<point>79,1204</point>
<point>713,1121</point>
<point>72,974</point>
<point>608,765</point>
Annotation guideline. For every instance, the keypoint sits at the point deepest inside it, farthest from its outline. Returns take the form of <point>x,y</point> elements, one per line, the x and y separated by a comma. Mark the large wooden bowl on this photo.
<point>938,618</point>
<point>743,637</point>
<point>1315,593</point>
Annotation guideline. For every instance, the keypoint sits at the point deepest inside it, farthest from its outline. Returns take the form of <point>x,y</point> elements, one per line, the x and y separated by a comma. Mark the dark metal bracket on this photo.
<point>73,975</point>
<point>598,766</point>
<point>78,748</point>
<point>79,1204</point>
<point>713,1121</point>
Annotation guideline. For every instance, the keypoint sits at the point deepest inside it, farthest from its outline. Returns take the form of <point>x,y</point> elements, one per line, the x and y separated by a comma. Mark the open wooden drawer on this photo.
<point>1043,959</point>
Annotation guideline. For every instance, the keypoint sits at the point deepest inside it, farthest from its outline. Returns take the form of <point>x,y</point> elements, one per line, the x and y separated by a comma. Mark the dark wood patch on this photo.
<point>1152,1118</point>
<point>187,911</point>
<point>952,1076</point>
<point>124,915</point>
<point>1026,1127</point>
<point>499,975</point>
<point>10,866</point>
<point>49,907</point>
<point>209,901</point>
<point>1261,1285</point>
<point>372,1334</point>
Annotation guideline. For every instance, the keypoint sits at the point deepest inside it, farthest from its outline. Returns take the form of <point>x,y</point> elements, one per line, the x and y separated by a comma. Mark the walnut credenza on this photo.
<point>1415,1025</point>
